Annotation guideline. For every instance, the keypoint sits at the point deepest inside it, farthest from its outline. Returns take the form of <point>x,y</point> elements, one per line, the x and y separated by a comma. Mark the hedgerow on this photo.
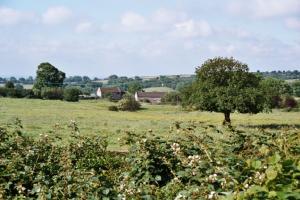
<point>202,162</point>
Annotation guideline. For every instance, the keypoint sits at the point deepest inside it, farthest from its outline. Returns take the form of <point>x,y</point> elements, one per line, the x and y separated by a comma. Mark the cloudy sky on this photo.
<point>146,37</point>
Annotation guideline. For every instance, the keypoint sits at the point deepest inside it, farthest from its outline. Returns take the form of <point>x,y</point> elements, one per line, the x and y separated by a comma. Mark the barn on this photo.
<point>152,97</point>
<point>114,93</point>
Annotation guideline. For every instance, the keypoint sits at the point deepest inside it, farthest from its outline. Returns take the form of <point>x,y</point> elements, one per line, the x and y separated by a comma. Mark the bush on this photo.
<point>52,93</point>
<point>128,103</point>
<point>71,94</point>
<point>172,98</point>
<point>16,93</point>
<point>290,102</point>
<point>242,165</point>
<point>9,84</point>
<point>3,92</point>
<point>113,108</point>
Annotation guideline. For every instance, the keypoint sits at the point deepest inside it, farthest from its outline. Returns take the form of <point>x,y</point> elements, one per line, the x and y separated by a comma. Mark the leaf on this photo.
<point>264,150</point>
<point>272,194</point>
<point>271,173</point>
<point>106,191</point>
<point>274,159</point>
<point>158,178</point>
<point>256,164</point>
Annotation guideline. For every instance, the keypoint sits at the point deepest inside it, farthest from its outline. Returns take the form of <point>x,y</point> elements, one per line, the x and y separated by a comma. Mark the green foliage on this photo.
<point>9,85</point>
<point>134,87</point>
<point>199,164</point>
<point>16,92</point>
<point>113,108</point>
<point>225,85</point>
<point>296,88</point>
<point>274,90</point>
<point>128,103</point>
<point>71,94</point>
<point>289,102</point>
<point>48,76</point>
<point>172,98</point>
<point>52,93</point>
<point>42,170</point>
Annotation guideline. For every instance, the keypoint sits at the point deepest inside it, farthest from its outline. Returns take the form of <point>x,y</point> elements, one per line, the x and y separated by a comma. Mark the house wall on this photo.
<point>99,93</point>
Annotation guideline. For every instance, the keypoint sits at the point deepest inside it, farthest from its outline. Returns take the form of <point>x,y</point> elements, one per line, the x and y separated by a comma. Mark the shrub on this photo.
<point>128,103</point>
<point>290,102</point>
<point>113,108</point>
<point>52,93</point>
<point>3,92</point>
<point>71,94</point>
<point>9,84</point>
<point>172,98</point>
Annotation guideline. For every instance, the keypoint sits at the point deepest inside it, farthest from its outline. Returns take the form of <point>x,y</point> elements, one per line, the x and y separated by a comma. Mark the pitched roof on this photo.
<point>151,94</point>
<point>111,90</point>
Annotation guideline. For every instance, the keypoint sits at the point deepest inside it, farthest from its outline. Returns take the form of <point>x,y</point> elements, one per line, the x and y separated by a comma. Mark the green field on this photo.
<point>159,89</point>
<point>26,86</point>
<point>92,116</point>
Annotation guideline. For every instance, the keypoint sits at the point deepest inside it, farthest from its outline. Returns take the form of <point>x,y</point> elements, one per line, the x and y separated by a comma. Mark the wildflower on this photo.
<point>212,178</point>
<point>175,147</point>
<point>20,188</point>
<point>193,160</point>
<point>212,195</point>
<point>176,179</point>
<point>179,196</point>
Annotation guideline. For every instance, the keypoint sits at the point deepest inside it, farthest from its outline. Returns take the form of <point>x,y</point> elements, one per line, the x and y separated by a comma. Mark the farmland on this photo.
<point>93,118</point>
<point>193,157</point>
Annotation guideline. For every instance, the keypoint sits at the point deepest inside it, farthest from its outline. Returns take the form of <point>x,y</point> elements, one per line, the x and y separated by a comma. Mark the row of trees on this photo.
<point>22,80</point>
<point>284,75</point>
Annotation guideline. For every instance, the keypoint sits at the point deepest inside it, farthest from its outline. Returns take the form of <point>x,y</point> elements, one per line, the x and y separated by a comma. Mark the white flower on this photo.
<point>175,147</point>
<point>211,195</point>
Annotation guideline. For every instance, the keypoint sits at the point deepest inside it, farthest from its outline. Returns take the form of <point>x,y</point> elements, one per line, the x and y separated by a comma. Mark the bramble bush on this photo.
<point>52,93</point>
<point>200,162</point>
<point>71,94</point>
<point>128,103</point>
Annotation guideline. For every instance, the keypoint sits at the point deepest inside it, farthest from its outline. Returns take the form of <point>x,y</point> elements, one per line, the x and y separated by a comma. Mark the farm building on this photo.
<point>113,92</point>
<point>152,97</point>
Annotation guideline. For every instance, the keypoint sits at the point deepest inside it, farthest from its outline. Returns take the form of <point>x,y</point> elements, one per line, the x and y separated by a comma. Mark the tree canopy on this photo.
<point>48,76</point>
<point>225,85</point>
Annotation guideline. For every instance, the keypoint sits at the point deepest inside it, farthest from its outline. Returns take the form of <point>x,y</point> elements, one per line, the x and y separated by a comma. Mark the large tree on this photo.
<point>225,85</point>
<point>48,76</point>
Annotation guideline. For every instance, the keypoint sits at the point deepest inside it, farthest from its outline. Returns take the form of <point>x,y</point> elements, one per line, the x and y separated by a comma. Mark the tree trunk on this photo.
<point>227,118</point>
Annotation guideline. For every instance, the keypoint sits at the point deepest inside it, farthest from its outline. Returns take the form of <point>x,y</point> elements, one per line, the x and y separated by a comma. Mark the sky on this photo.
<point>146,37</point>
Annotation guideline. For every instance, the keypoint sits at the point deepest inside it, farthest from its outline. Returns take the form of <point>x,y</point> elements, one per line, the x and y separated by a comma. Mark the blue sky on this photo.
<point>146,37</point>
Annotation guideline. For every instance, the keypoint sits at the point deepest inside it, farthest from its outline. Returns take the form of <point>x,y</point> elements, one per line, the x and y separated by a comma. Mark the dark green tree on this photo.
<point>9,85</point>
<point>274,89</point>
<point>48,76</point>
<point>225,85</point>
<point>134,87</point>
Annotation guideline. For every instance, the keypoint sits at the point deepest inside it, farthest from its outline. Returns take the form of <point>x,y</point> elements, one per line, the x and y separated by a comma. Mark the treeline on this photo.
<point>284,75</point>
<point>174,82</point>
<point>22,80</point>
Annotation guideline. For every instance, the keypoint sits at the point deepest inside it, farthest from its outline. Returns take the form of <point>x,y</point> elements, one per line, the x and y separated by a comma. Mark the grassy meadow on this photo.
<point>48,116</point>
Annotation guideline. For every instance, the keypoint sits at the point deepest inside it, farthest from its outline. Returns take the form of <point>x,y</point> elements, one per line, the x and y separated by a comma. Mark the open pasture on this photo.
<point>93,118</point>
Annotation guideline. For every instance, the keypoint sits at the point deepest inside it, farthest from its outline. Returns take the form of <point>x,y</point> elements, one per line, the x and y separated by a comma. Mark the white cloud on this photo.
<point>84,27</point>
<point>264,8</point>
<point>293,23</point>
<point>191,28</point>
<point>10,16</point>
<point>164,16</point>
<point>133,22</point>
<point>56,15</point>
<point>228,50</point>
